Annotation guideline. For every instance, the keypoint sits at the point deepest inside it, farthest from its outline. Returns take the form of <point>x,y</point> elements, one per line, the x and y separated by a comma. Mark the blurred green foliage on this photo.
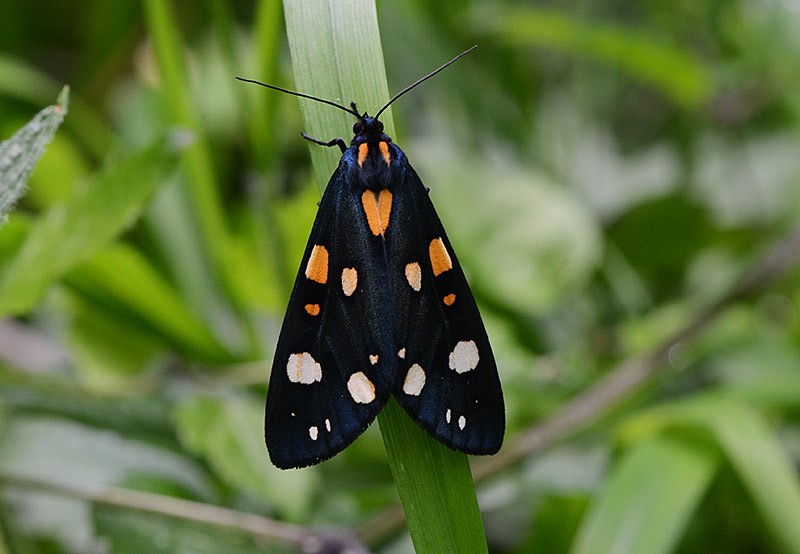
<point>604,169</point>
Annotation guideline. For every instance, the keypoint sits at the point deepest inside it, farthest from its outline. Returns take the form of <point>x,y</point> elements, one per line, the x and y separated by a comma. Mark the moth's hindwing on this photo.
<point>447,380</point>
<point>333,368</point>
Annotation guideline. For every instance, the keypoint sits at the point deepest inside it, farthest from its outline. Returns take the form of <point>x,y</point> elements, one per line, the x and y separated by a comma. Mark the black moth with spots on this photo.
<point>380,307</point>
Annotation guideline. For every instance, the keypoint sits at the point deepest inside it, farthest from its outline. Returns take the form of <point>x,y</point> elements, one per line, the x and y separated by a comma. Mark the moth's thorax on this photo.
<point>375,161</point>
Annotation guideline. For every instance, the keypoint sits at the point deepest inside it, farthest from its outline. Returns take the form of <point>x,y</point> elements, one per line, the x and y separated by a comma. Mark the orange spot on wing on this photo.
<point>312,309</point>
<point>377,208</point>
<point>440,259</point>
<point>384,148</point>
<point>317,266</point>
<point>363,149</point>
<point>449,299</point>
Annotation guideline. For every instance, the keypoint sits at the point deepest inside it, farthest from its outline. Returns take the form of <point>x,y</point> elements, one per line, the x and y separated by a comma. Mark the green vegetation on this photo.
<point>620,182</point>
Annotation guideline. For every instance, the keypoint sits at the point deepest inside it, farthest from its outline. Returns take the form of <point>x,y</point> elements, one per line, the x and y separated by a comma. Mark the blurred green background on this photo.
<point>605,170</point>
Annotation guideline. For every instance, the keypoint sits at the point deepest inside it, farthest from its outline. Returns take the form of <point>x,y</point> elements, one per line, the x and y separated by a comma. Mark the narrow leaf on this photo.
<point>649,499</point>
<point>227,431</point>
<point>19,154</point>
<point>750,446</point>
<point>70,233</point>
<point>670,68</point>
<point>121,279</point>
<point>763,466</point>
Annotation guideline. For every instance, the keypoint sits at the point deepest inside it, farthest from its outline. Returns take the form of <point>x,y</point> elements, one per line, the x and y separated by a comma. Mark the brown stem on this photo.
<point>306,540</point>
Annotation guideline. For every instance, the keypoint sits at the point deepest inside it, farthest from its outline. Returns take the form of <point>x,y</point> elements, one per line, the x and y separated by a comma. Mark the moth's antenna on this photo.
<point>422,80</point>
<point>351,111</point>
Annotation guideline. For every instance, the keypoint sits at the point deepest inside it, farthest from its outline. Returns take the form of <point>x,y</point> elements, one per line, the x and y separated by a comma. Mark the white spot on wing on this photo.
<point>448,415</point>
<point>462,422</point>
<point>328,425</point>
<point>303,368</point>
<point>361,388</point>
<point>313,432</point>
<point>349,280</point>
<point>373,359</point>
<point>401,353</point>
<point>414,276</point>
<point>415,380</point>
<point>464,356</point>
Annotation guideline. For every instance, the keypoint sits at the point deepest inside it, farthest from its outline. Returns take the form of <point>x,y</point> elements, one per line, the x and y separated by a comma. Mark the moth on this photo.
<point>380,307</point>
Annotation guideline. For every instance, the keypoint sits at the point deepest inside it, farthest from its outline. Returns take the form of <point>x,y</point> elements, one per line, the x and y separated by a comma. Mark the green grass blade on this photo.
<point>649,499</point>
<point>205,290</point>
<point>435,487</point>
<point>336,55</point>
<point>227,431</point>
<point>69,233</point>
<point>670,68</point>
<point>129,287</point>
<point>761,463</point>
<point>267,35</point>
<point>749,445</point>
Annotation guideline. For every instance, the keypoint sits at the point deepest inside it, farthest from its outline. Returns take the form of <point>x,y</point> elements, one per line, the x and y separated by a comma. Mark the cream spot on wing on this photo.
<point>349,280</point>
<point>373,359</point>
<point>464,356</point>
<point>415,380</point>
<point>313,432</point>
<point>462,422</point>
<point>361,388</point>
<point>448,415</point>
<point>328,425</point>
<point>401,353</point>
<point>303,368</point>
<point>414,276</point>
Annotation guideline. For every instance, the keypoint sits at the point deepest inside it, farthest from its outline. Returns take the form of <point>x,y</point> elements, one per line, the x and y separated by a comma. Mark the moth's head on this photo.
<point>368,129</point>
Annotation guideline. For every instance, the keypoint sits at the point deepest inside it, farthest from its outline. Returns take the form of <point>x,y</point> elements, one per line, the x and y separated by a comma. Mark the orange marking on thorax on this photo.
<point>383,146</point>
<point>363,149</point>
<point>440,259</point>
<point>377,208</point>
<point>317,266</point>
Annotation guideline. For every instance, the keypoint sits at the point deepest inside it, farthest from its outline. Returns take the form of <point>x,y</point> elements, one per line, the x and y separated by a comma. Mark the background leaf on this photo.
<point>229,432</point>
<point>72,231</point>
<point>649,500</point>
<point>19,154</point>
